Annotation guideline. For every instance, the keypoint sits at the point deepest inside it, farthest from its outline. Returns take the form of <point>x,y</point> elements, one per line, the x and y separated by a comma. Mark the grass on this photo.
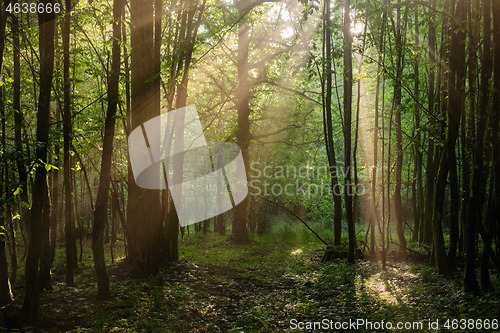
<point>256,287</point>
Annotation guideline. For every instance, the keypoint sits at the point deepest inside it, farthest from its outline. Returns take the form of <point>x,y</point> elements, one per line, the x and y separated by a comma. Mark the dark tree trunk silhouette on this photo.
<point>399,135</point>
<point>69,223</point>
<point>31,300</point>
<point>5,291</point>
<point>328,126</point>
<point>347,127</point>
<point>430,166</point>
<point>101,206</point>
<point>479,177</point>
<point>419,198</point>
<point>240,229</point>
<point>19,127</point>
<point>144,207</point>
<point>495,144</point>
<point>455,108</point>
<point>54,188</point>
<point>373,195</point>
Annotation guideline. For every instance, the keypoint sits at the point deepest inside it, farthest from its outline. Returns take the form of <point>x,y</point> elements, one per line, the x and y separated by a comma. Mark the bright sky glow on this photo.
<point>287,32</point>
<point>280,13</point>
<point>357,28</point>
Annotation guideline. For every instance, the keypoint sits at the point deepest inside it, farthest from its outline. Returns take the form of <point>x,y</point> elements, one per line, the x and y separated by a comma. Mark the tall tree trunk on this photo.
<point>426,225</point>
<point>356,127</point>
<point>479,177</point>
<point>454,214</point>
<point>101,206</point>
<point>240,230</point>
<point>469,136</point>
<point>54,186</point>
<point>45,279</point>
<point>373,195</point>
<point>31,300</point>
<point>382,180</point>
<point>54,212</point>
<point>347,126</point>
<point>144,209</point>
<point>495,117</point>
<point>455,109</point>
<point>399,132</point>
<point>69,223</point>
<point>19,126</point>
<point>418,216</point>
<point>167,236</point>
<point>5,290</point>
<point>187,37</point>
<point>328,127</point>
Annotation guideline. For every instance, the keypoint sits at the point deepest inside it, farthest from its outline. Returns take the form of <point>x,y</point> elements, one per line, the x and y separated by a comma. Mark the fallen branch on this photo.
<point>292,213</point>
<point>406,248</point>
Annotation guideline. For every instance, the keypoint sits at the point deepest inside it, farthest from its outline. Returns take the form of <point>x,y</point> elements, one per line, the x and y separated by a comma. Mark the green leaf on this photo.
<point>18,190</point>
<point>50,166</point>
<point>3,234</point>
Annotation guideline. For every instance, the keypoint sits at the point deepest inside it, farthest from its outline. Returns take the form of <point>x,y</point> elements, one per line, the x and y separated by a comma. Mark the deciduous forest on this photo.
<point>368,134</point>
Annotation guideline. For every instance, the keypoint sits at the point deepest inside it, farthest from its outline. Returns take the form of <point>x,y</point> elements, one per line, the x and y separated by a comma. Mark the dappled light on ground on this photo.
<point>257,287</point>
<point>389,291</point>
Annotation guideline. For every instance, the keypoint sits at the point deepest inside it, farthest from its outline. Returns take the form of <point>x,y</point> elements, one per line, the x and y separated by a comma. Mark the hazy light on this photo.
<point>287,33</point>
<point>357,28</point>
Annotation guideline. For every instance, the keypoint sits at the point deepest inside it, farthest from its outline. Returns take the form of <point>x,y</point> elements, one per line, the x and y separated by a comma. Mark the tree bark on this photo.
<point>240,230</point>
<point>347,127</point>
<point>328,128</point>
<point>399,133</point>
<point>144,209</point>
<point>454,214</point>
<point>418,216</point>
<point>40,190</point>
<point>373,202</point>
<point>495,139</point>
<point>456,89</point>
<point>479,177</point>
<point>5,290</point>
<point>101,207</point>
<point>426,225</point>
<point>69,223</point>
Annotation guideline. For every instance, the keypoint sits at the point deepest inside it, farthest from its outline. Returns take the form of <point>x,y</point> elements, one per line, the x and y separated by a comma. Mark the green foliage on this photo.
<point>3,234</point>
<point>257,287</point>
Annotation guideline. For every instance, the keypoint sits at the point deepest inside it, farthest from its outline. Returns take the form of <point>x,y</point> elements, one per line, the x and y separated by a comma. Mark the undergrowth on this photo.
<point>257,287</point>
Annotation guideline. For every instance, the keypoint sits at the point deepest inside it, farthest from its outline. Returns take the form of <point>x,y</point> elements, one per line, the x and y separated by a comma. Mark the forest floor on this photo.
<point>258,287</point>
